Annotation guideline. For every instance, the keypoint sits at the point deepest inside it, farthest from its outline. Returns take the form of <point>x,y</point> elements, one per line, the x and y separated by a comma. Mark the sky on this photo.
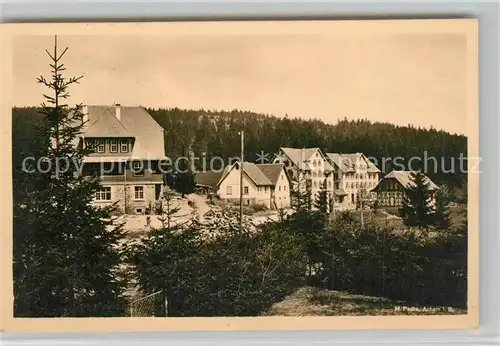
<point>417,79</point>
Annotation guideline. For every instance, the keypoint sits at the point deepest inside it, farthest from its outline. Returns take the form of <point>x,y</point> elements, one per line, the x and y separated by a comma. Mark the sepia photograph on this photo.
<point>243,169</point>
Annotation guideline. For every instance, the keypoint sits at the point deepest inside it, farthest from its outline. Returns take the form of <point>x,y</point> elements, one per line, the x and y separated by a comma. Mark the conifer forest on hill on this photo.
<point>215,134</point>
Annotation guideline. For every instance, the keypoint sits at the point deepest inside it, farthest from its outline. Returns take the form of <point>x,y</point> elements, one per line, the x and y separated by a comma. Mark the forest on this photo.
<point>215,134</point>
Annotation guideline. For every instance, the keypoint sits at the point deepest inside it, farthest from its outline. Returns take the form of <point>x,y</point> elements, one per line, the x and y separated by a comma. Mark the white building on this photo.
<point>355,175</point>
<point>310,165</point>
<point>265,184</point>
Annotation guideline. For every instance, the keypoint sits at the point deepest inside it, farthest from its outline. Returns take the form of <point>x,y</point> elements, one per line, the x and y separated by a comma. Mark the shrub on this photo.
<point>233,274</point>
<point>259,207</point>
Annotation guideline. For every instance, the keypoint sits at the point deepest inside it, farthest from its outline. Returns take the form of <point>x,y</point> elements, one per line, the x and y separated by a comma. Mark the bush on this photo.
<point>233,274</point>
<point>410,266</point>
<point>259,207</point>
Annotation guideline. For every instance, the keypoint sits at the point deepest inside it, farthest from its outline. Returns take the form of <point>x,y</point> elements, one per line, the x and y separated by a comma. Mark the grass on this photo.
<point>310,301</point>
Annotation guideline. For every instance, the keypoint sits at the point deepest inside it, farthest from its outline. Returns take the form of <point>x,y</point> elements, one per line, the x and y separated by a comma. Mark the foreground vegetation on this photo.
<point>313,301</point>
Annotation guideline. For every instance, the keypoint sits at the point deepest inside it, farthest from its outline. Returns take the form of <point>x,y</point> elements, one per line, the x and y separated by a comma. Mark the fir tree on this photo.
<point>165,254</point>
<point>67,252</point>
<point>442,214</point>
<point>416,209</point>
<point>324,202</point>
<point>184,181</point>
<point>301,195</point>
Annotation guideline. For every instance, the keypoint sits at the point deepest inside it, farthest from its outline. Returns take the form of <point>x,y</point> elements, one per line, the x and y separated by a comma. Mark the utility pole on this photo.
<point>332,196</point>
<point>362,219</point>
<point>242,160</point>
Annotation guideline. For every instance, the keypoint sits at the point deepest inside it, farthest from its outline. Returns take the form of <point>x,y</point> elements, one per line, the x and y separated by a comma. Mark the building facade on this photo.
<point>127,147</point>
<point>391,189</point>
<point>308,168</point>
<point>355,176</point>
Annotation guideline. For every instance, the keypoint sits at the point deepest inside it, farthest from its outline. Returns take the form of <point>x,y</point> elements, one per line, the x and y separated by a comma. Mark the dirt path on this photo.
<point>200,202</point>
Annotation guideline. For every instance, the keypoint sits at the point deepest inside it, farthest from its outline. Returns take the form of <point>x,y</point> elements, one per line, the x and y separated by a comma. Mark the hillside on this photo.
<point>215,134</point>
<point>311,301</point>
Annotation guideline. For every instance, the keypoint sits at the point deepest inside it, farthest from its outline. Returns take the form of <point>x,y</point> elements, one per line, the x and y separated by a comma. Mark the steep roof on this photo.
<point>301,157</point>
<point>134,122</point>
<point>271,171</point>
<point>208,178</point>
<point>348,162</point>
<point>404,178</point>
<point>252,171</point>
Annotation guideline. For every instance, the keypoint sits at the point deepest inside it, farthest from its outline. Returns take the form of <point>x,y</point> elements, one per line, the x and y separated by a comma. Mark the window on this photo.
<point>90,143</point>
<point>229,190</point>
<point>245,190</point>
<point>104,194</point>
<point>100,146</point>
<point>314,163</point>
<point>124,146</point>
<point>315,185</point>
<point>139,192</point>
<point>279,188</point>
<point>314,175</point>
<point>284,188</point>
<point>137,168</point>
<point>113,146</point>
<point>329,184</point>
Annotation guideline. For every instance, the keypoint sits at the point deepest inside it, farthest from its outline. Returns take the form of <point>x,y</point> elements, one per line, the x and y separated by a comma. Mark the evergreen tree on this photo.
<point>324,202</point>
<point>441,214</point>
<point>169,208</point>
<point>184,181</point>
<point>416,209</point>
<point>164,255</point>
<point>67,252</point>
<point>301,194</point>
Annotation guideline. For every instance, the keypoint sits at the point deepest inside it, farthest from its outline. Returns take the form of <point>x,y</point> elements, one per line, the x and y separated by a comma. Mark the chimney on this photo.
<point>118,112</point>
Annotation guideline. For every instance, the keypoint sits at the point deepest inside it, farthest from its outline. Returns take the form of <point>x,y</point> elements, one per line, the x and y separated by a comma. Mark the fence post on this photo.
<point>165,302</point>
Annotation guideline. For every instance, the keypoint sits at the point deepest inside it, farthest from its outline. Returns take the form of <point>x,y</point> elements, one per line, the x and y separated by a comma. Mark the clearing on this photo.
<point>310,301</point>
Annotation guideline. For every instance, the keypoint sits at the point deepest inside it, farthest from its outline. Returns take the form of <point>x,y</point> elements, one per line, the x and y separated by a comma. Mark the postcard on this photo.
<point>240,175</point>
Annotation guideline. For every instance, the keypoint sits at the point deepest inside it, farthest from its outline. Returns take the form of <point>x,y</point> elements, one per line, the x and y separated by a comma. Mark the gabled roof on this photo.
<point>404,178</point>
<point>254,173</point>
<point>106,125</point>
<point>134,122</point>
<point>302,157</point>
<point>261,174</point>
<point>348,163</point>
<point>208,178</point>
<point>271,170</point>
